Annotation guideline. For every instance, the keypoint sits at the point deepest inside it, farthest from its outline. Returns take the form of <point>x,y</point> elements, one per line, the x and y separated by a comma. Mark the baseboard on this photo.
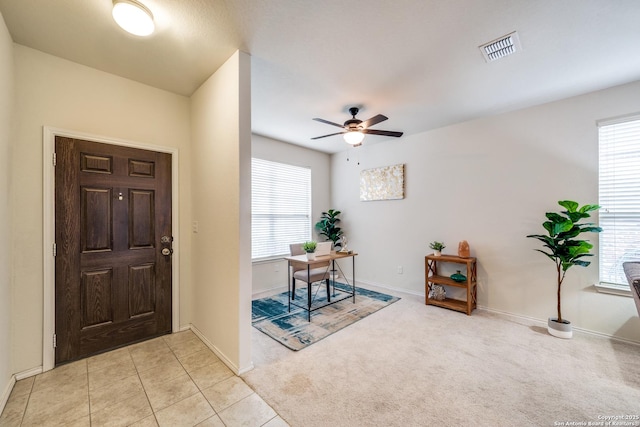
<point>29,373</point>
<point>4,398</point>
<point>543,322</point>
<point>220,354</point>
<point>269,292</point>
<point>389,288</point>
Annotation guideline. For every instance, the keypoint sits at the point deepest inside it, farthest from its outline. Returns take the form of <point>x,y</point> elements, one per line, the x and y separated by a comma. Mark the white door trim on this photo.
<point>49,221</point>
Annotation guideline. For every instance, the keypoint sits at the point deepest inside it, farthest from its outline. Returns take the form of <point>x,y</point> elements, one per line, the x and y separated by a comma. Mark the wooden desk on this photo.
<point>333,257</point>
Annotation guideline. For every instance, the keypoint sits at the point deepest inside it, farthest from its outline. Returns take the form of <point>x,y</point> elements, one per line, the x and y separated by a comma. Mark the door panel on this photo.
<point>96,290</point>
<point>141,219</point>
<point>141,289</point>
<point>113,285</point>
<point>96,208</point>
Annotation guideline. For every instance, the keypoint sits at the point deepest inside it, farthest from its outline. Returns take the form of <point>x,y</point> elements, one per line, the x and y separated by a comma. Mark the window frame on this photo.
<point>277,197</point>
<point>622,289</point>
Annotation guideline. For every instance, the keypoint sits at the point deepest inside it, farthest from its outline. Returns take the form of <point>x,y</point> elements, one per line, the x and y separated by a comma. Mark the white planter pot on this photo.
<point>560,330</point>
<point>437,253</point>
<point>311,256</point>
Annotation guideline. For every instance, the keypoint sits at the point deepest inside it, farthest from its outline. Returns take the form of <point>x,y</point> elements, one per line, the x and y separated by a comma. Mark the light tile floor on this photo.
<point>174,380</point>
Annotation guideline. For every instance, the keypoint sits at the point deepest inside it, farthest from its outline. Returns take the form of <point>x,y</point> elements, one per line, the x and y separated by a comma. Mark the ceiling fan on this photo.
<point>355,129</point>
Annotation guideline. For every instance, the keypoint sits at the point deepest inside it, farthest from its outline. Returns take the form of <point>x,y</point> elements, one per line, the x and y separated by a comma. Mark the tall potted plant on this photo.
<point>566,250</point>
<point>328,227</point>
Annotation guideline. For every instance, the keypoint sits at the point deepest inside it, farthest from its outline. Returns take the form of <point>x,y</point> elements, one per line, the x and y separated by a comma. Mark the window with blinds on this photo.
<point>280,207</point>
<point>619,198</point>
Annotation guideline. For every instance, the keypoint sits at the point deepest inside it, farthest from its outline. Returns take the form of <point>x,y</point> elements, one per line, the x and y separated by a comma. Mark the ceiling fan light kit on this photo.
<point>133,17</point>
<point>353,137</point>
<point>355,129</point>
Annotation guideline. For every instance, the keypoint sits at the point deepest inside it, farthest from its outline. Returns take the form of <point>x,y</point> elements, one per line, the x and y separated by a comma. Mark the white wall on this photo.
<point>6,105</point>
<point>54,92</point>
<point>221,171</point>
<point>272,275</point>
<point>490,181</point>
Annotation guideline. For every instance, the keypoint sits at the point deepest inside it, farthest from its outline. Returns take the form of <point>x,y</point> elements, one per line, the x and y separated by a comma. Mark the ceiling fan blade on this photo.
<point>382,132</point>
<point>327,122</point>
<point>331,134</point>
<point>373,121</point>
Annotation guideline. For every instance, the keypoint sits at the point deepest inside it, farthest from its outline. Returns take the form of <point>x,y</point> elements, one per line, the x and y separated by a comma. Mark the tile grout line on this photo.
<point>143,387</point>
<point>194,382</point>
<point>88,392</point>
<point>24,411</point>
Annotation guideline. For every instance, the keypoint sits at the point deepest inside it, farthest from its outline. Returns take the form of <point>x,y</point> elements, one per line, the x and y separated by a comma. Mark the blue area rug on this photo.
<point>271,316</point>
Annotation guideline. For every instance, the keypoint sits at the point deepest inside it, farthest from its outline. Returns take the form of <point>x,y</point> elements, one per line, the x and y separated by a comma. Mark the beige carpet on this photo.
<point>413,365</point>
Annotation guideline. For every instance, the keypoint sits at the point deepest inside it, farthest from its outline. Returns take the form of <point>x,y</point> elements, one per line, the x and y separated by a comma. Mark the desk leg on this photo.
<point>333,275</point>
<point>289,283</point>
<point>353,277</point>
<point>308,293</point>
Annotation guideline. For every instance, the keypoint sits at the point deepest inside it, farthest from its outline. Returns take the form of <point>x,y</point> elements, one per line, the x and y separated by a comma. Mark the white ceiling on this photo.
<point>415,61</point>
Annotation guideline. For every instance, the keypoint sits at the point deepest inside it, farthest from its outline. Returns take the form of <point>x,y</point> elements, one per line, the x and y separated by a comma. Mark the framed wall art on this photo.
<point>384,183</point>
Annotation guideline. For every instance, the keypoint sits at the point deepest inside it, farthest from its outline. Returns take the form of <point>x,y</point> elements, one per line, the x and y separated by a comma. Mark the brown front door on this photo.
<point>113,243</point>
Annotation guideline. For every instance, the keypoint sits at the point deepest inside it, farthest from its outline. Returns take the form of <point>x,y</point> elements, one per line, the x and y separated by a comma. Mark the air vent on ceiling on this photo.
<point>501,47</point>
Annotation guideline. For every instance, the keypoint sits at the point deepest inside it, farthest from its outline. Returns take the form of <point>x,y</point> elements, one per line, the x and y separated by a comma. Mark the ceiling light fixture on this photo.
<point>353,137</point>
<point>133,17</point>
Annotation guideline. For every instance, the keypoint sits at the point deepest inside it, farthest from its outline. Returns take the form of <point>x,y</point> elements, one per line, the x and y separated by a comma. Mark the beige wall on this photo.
<point>6,104</point>
<point>61,94</point>
<point>271,275</point>
<point>490,181</point>
<point>221,155</point>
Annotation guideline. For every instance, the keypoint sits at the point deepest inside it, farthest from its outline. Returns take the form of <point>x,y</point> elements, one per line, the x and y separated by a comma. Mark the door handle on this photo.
<point>166,242</point>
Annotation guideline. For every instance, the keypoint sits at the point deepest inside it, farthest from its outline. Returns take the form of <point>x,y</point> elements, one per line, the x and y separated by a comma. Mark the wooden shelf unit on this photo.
<point>433,278</point>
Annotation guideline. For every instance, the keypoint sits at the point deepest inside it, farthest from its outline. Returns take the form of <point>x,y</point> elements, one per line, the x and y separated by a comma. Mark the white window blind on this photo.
<point>619,197</point>
<point>281,207</point>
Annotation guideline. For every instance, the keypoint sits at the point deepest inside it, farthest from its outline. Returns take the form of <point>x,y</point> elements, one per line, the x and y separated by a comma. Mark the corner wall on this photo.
<point>221,192</point>
<point>51,91</point>
<point>490,182</point>
<point>6,106</point>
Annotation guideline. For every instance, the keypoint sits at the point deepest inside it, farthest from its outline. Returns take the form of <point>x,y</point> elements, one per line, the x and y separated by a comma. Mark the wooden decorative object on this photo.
<point>463,249</point>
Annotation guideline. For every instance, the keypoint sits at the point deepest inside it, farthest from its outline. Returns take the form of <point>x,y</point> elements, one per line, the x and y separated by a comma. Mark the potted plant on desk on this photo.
<point>310,248</point>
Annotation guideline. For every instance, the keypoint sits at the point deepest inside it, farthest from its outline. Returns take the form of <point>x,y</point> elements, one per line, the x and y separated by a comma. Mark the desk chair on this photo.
<point>316,274</point>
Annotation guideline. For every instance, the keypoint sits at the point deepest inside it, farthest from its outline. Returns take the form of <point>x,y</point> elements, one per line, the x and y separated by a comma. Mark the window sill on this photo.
<point>607,288</point>
<point>269,260</point>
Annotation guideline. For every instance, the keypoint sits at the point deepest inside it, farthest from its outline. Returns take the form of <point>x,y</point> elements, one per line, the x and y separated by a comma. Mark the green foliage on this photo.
<point>561,244</point>
<point>437,246</point>
<point>310,246</point>
<point>328,227</point>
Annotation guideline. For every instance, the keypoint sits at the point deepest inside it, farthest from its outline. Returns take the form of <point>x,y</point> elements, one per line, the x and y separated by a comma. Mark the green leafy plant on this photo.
<point>309,247</point>
<point>562,246</point>
<point>328,227</point>
<point>437,246</point>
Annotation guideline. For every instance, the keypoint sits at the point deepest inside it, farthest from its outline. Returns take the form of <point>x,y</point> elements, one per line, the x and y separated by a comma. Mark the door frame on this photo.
<point>49,221</point>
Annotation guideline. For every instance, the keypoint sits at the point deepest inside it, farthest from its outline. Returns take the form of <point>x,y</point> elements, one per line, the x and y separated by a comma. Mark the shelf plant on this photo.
<point>437,247</point>
<point>565,249</point>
